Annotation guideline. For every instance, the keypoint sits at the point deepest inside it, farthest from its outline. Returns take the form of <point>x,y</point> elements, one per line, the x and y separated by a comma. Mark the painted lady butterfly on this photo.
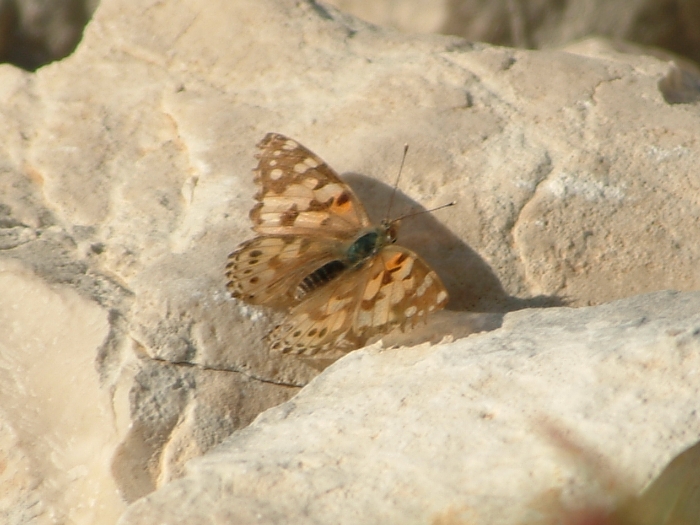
<point>317,255</point>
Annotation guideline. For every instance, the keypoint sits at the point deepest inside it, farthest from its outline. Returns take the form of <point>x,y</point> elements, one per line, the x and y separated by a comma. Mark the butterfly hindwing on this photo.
<point>395,289</point>
<point>401,290</point>
<point>301,195</point>
<point>267,270</point>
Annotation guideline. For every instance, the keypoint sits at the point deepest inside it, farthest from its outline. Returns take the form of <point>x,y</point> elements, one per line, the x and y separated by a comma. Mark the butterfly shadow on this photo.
<point>470,281</point>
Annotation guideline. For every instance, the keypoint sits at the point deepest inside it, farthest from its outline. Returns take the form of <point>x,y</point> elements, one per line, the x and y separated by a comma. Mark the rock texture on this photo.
<point>673,25</point>
<point>461,431</point>
<point>54,417</point>
<point>125,181</point>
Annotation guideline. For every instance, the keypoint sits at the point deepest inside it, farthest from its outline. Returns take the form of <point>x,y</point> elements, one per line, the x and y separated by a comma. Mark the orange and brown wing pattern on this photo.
<point>401,290</point>
<point>395,289</point>
<point>267,270</point>
<point>301,195</point>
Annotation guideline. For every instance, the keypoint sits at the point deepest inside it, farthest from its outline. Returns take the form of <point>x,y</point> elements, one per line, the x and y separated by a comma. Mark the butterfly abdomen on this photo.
<point>319,277</point>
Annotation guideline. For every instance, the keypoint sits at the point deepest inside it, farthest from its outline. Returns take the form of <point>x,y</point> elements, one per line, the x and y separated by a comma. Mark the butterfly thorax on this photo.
<point>369,242</point>
<point>365,245</point>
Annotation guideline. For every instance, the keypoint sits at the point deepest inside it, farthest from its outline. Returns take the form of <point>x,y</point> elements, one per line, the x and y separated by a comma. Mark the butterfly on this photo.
<point>341,279</point>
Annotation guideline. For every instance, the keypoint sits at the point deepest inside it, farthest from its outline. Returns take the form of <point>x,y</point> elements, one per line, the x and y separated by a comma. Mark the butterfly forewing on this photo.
<point>301,195</point>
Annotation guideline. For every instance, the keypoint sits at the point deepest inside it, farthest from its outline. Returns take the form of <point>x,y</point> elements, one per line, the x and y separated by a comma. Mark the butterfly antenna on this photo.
<point>396,184</point>
<point>425,211</point>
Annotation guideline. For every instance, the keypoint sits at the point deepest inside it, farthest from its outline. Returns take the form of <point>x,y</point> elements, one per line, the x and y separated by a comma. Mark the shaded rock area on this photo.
<point>36,32</point>
<point>125,181</point>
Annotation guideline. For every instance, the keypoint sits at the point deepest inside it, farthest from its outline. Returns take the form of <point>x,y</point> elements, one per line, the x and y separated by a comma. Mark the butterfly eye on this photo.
<point>392,232</point>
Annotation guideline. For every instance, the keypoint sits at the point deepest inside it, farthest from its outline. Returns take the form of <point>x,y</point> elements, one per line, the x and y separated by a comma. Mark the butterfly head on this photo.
<point>390,230</point>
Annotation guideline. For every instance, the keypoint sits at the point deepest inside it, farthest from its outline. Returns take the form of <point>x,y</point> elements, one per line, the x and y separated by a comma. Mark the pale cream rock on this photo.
<point>414,435</point>
<point>674,26</point>
<point>125,177</point>
<point>56,419</point>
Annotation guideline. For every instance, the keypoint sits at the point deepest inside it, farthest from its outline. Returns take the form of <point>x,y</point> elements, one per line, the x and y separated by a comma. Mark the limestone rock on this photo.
<point>670,24</point>
<point>125,180</point>
<point>461,430</point>
<point>55,416</point>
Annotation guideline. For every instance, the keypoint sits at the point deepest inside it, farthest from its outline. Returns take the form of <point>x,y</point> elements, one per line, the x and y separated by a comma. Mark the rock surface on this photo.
<point>54,462</point>
<point>460,430</point>
<point>125,181</point>
<point>673,25</point>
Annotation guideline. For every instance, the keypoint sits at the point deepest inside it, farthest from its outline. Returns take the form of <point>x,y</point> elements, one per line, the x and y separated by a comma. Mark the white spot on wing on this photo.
<point>310,182</point>
<point>311,163</point>
<point>427,282</point>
